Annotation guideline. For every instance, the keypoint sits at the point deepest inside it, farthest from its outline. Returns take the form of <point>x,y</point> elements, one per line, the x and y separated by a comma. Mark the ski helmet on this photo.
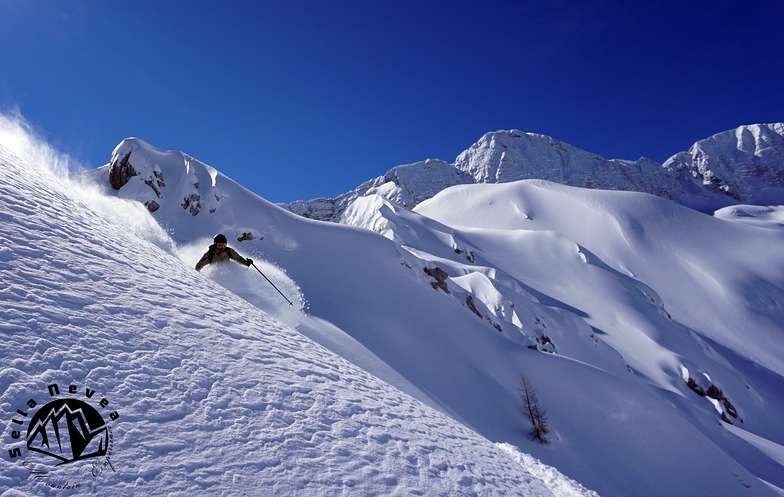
<point>219,238</point>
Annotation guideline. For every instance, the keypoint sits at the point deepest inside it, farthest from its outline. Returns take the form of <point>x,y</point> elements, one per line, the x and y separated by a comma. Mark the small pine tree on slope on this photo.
<point>535,411</point>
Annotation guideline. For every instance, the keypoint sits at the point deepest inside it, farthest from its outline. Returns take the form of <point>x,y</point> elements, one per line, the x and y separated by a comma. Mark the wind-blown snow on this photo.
<point>733,273</point>
<point>773,450</point>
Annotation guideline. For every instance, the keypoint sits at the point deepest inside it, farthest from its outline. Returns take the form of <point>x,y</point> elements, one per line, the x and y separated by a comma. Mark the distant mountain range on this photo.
<point>742,165</point>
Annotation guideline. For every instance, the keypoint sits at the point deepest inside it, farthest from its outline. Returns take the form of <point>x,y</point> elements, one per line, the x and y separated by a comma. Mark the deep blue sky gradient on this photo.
<point>300,99</point>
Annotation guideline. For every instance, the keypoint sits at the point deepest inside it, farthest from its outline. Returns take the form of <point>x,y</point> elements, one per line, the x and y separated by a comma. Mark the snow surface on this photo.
<point>617,307</point>
<point>213,396</point>
<point>761,216</point>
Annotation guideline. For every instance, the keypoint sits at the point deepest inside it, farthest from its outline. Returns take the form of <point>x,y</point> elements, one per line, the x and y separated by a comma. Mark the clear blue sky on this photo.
<point>300,99</point>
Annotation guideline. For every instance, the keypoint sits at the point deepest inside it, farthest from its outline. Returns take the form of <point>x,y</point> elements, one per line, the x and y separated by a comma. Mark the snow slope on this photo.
<point>765,217</point>
<point>729,277</point>
<point>201,392</point>
<point>569,287</point>
<point>675,292</point>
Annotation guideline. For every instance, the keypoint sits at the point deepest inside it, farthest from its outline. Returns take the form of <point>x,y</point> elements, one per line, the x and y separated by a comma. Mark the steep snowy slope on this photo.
<point>680,295</point>
<point>142,376</point>
<point>740,165</point>
<point>427,301</point>
<point>623,230</point>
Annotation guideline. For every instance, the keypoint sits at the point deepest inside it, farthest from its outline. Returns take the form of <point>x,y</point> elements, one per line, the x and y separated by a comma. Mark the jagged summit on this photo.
<point>505,156</point>
<point>741,165</point>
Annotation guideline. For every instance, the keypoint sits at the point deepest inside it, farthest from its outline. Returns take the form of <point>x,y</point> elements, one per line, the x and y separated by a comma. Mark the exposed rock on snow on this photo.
<point>404,185</point>
<point>121,171</point>
<point>506,156</point>
<point>192,204</point>
<point>440,275</point>
<point>470,303</point>
<point>138,171</point>
<point>152,205</point>
<point>322,209</point>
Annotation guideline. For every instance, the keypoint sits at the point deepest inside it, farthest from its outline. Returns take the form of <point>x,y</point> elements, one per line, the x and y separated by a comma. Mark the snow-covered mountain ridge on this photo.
<point>194,390</point>
<point>744,165</point>
<point>653,333</point>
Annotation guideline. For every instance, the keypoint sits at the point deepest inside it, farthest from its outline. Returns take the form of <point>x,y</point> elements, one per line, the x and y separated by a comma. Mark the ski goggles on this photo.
<point>220,245</point>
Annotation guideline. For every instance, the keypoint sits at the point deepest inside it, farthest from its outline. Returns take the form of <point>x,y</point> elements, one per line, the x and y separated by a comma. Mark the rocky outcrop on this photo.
<point>120,171</point>
<point>192,203</point>
<point>156,183</point>
<point>406,185</point>
<point>321,209</point>
<point>440,276</point>
<point>138,171</point>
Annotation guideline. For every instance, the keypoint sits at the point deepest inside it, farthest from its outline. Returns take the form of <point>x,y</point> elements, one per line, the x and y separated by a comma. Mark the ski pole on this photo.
<point>273,285</point>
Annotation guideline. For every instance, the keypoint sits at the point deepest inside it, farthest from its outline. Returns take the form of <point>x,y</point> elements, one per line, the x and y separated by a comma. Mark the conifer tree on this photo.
<point>535,411</point>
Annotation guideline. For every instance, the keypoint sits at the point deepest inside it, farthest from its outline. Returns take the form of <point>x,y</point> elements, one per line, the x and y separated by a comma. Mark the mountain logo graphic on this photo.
<point>68,430</point>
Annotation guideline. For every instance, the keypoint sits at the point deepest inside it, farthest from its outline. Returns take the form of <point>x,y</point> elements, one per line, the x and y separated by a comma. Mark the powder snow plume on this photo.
<point>19,136</point>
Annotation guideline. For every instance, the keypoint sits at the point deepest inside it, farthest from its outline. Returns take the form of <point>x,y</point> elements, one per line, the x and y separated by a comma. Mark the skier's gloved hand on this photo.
<point>249,262</point>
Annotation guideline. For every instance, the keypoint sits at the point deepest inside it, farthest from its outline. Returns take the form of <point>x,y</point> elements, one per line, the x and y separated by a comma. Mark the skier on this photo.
<point>220,251</point>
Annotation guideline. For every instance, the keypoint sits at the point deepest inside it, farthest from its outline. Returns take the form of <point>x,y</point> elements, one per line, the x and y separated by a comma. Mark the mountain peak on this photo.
<point>742,165</point>
<point>505,156</point>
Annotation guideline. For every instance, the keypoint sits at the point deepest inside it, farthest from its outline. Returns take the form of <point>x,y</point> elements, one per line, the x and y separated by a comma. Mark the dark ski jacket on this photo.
<point>213,254</point>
